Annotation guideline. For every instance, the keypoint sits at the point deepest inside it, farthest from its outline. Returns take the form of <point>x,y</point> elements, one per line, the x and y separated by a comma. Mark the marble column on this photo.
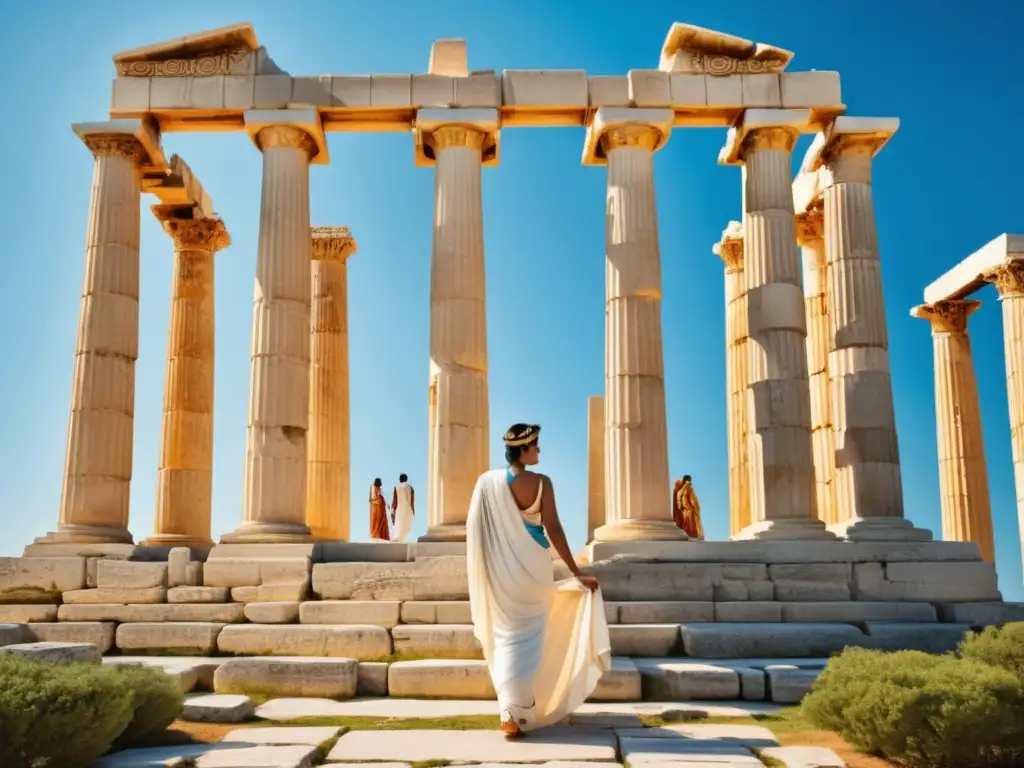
<point>458,409</point>
<point>98,460</point>
<point>595,465</point>
<point>328,507</point>
<point>782,500</point>
<point>637,487</point>
<point>869,488</point>
<point>810,234</point>
<point>185,476</point>
<point>1009,281</point>
<point>730,249</point>
<point>963,474</point>
<point>274,495</point>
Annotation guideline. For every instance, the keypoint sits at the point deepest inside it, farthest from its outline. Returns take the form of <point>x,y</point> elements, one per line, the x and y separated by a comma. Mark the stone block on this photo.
<point>334,678</point>
<point>196,637</point>
<point>930,638</point>
<point>306,735</point>
<point>979,614</point>
<point>363,552</point>
<point>272,593</point>
<point>436,612</point>
<point>112,596</point>
<point>440,679</point>
<point>634,582</point>
<point>91,564</point>
<point>678,680</point>
<point>724,91</point>
<point>194,574</point>
<point>804,757</point>
<point>391,91</point>
<point>545,88</point>
<point>479,89</point>
<point>54,652</point>
<point>185,594</point>
<point>810,89</point>
<point>739,640</point>
<point>130,94</point>
<point>762,91</point>
<point>620,683</point>
<point>381,613</point>
<point>312,91</point>
<point>608,91</point>
<point>373,678</point>
<point>694,753</point>
<point>749,736</point>
<point>926,581</point>
<point>436,641</point>
<point>788,685</point>
<point>12,634</point>
<point>439,578</point>
<point>856,610</point>
<point>23,614</point>
<point>691,90</point>
<point>753,686</point>
<point>100,634</point>
<point>733,590</point>
<point>644,639</point>
<point>239,91</point>
<point>272,91</point>
<point>252,572</point>
<point>225,613</point>
<point>665,612</point>
<point>39,579</point>
<point>218,708</point>
<point>125,574</point>
<point>649,88</point>
<point>363,643</point>
<point>178,559</point>
<point>350,91</point>
<point>433,91</point>
<point>748,611</point>
<point>812,582</point>
<point>272,613</point>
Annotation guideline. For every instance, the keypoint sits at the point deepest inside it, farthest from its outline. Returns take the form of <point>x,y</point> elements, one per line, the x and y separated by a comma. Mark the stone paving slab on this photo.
<point>749,736</point>
<point>55,652</point>
<point>213,756</point>
<point>805,757</point>
<point>557,743</point>
<point>686,751</point>
<point>309,736</point>
<point>218,708</point>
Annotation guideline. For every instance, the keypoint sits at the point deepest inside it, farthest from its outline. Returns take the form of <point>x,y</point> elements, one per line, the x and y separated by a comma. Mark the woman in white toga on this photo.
<point>546,643</point>
<point>403,509</point>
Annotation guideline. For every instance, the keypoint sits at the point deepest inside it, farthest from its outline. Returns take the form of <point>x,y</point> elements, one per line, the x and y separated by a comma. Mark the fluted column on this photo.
<point>98,459</point>
<point>1009,280</point>
<point>185,475</point>
<point>782,500</point>
<point>963,474</point>
<point>274,495</point>
<point>328,506</point>
<point>730,249</point>
<point>637,488</point>
<point>458,410</point>
<point>869,489</point>
<point>810,234</point>
<point>595,465</point>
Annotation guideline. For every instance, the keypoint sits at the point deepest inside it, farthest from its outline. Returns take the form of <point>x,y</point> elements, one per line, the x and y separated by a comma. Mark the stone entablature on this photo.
<point>689,48</point>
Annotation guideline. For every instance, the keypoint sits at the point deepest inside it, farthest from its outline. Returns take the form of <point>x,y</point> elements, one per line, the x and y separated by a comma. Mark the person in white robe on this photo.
<point>546,643</point>
<point>403,509</point>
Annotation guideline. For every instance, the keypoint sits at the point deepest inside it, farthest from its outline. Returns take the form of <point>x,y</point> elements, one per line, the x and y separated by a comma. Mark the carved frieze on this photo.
<point>229,62</point>
<point>720,66</point>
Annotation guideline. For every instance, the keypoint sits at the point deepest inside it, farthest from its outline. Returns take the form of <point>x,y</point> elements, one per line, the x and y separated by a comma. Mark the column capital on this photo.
<point>288,129</point>
<point>849,137</point>
<point>332,243</point>
<point>810,225</point>
<point>436,130</point>
<point>1008,279</point>
<point>625,127</point>
<point>207,234</point>
<point>730,247</point>
<point>763,129</point>
<point>948,316</point>
<point>133,139</point>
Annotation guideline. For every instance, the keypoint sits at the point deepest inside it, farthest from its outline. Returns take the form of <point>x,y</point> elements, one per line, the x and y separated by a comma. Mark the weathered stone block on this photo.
<point>810,89</point>
<point>39,579</point>
<point>753,686</point>
<point>55,652</point>
<point>479,89</point>
<point>811,581</point>
<point>544,88</point>
<point>436,612</point>
<point>980,614</point>
<point>272,613</point>
<point>303,677</point>
<point>185,594</point>
<point>225,613</point>
<point>272,593</point>
<point>736,590</point>
<point>373,678</point>
<point>437,91</point>
<point>634,582</point>
<point>931,582</point>
<point>436,641</point>
<point>671,680</point>
<point>930,638</point>
<point>391,90</point>
<point>739,640</point>
<point>856,610</point>
<point>177,566</point>
<point>608,91</point>
<point>440,679</point>
<point>196,637</point>
<point>111,596</point>
<point>363,643</point>
<point>620,683</point>
<point>23,614</point>
<point>644,639</point>
<point>650,88</point>
<point>237,572</point>
<point>12,634</point>
<point>218,708</point>
<point>748,611</point>
<point>440,578</point>
<point>382,613</point>
<point>788,685</point>
<point>125,574</point>
<point>665,612</point>
<point>100,634</point>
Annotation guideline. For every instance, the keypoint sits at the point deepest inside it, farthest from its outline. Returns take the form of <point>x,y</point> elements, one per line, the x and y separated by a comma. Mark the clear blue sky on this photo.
<point>947,184</point>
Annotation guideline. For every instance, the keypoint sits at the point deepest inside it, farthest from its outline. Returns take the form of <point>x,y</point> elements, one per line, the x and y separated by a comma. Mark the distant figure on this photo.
<point>686,508</point>
<point>378,513</point>
<point>403,508</point>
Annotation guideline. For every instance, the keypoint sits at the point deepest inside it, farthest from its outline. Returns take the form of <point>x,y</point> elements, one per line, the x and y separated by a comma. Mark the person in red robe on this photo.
<point>378,513</point>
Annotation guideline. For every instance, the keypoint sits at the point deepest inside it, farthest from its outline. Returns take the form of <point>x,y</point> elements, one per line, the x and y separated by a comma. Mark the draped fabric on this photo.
<point>686,509</point>
<point>546,643</point>
<point>378,515</point>
<point>403,512</point>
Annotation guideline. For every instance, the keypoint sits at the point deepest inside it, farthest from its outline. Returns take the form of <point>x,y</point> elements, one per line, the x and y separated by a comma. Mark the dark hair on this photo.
<point>512,453</point>
<point>376,482</point>
<point>403,478</point>
<point>687,478</point>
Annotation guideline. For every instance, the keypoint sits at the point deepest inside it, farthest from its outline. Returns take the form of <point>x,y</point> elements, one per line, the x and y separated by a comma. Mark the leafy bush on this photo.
<point>999,647</point>
<point>56,715</point>
<point>158,702</point>
<point>920,710</point>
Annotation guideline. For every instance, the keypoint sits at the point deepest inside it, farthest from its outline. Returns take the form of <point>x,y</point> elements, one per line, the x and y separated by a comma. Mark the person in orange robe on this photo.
<point>686,508</point>
<point>378,513</point>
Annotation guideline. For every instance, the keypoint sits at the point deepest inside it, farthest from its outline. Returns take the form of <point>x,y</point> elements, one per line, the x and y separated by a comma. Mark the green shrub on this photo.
<point>158,702</point>
<point>59,715</point>
<point>999,647</point>
<point>920,710</point>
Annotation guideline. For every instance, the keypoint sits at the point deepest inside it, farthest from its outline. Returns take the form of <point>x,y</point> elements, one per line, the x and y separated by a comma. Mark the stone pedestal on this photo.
<point>595,465</point>
<point>185,477</point>
<point>328,508</point>
<point>98,460</point>
<point>730,249</point>
<point>963,475</point>
<point>1009,280</point>
<point>810,235</point>
<point>274,496</point>
<point>458,405</point>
